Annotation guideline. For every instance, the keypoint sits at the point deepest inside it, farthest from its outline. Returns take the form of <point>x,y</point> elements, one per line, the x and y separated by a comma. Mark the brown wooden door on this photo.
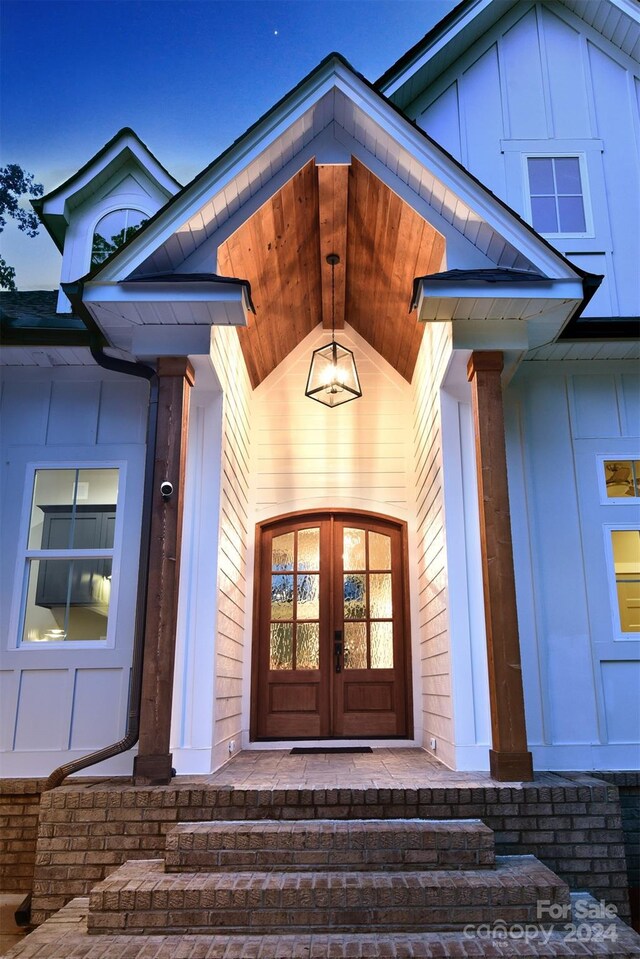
<point>332,644</point>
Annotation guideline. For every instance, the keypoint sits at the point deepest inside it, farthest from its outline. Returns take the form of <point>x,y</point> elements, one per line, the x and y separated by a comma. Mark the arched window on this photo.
<point>112,231</point>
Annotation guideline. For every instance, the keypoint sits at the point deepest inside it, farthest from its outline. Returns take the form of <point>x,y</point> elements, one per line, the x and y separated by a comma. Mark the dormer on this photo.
<point>99,207</point>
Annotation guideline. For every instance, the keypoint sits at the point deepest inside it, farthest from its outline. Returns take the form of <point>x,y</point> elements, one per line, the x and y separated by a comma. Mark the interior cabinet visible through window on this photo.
<point>69,556</point>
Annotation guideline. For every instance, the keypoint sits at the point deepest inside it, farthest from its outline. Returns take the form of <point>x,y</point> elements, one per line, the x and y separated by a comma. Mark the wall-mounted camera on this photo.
<point>166,488</point>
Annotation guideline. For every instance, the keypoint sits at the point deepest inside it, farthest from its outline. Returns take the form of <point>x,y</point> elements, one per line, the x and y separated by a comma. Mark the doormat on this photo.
<point>319,750</point>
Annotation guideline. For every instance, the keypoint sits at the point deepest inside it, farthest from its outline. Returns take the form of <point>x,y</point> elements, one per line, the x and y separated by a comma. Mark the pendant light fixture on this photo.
<point>333,377</point>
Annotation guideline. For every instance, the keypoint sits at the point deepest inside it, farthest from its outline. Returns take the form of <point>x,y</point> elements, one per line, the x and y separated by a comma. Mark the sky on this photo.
<point>189,76</point>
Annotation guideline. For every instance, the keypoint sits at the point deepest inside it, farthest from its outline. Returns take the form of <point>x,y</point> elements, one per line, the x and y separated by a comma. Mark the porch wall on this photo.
<point>356,455</point>
<point>232,634</point>
<point>434,633</point>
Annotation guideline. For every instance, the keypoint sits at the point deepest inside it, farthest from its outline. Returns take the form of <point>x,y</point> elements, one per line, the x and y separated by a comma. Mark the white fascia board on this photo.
<point>230,165</point>
<point>58,204</point>
<point>166,293</point>
<point>436,47</point>
<point>432,294</point>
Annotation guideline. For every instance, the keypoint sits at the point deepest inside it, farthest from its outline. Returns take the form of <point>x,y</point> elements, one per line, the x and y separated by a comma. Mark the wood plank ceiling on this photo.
<point>281,249</point>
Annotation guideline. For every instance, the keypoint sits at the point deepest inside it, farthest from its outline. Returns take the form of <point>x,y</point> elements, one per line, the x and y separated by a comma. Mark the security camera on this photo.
<point>166,488</point>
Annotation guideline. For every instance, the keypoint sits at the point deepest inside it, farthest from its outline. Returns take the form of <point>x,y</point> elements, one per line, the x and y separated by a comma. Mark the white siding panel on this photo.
<point>521,61</point>
<point>441,121</point>
<point>567,87</point>
<point>97,718</point>
<point>595,405</point>
<point>8,699</point>
<point>481,104</point>
<point>618,128</point>
<point>44,707</point>
<point>122,412</point>
<point>232,635</point>
<point>433,640</point>
<point>621,683</point>
<point>630,403</point>
<point>74,413</point>
<point>23,413</point>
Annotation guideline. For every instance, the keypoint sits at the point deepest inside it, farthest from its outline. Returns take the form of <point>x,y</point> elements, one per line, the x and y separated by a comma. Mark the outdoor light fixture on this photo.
<point>333,377</point>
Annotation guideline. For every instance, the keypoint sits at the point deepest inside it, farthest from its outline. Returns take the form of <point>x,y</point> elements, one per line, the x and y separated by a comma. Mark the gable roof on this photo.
<point>616,20</point>
<point>53,209</point>
<point>333,116</point>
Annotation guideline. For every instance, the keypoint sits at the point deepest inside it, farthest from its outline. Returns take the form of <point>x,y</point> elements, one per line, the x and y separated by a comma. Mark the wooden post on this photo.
<point>509,757</point>
<point>152,765</point>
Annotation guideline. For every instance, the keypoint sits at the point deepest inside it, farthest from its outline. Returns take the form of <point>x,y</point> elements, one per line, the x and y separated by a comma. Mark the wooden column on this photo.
<point>153,762</point>
<point>509,757</point>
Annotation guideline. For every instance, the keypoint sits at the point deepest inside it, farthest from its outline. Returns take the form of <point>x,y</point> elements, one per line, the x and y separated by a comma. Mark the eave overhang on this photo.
<point>502,309</point>
<point>158,314</point>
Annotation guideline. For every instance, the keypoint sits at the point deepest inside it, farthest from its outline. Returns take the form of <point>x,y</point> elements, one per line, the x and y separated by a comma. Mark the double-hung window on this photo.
<point>69,556</point>
<point>556,195</point>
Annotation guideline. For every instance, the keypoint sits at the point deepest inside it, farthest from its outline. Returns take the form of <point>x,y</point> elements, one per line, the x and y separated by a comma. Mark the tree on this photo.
<point>15,184</point>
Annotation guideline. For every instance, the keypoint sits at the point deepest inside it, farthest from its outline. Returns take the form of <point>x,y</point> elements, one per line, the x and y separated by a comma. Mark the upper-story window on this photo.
<point>557,194</point>
<point>112,231</point>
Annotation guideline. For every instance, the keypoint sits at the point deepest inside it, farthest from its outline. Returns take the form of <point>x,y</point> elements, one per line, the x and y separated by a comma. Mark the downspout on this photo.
<point>141,370</point>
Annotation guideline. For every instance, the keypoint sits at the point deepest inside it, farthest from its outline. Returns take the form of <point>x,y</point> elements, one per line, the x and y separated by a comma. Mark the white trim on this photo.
<point>24,554</point>
<point>608,528</point>
<point>581,157</point>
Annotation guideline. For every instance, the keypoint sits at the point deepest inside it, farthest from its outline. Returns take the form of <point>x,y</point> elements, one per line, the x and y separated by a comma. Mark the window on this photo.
<point>113,231</point>
<point>622,479</point>
<point>556,194</point>
<point>69,555</point>
<point>625,545</point>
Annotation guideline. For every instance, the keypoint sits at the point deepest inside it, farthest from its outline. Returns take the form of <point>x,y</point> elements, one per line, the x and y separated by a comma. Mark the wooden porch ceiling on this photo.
<point>281,249</point>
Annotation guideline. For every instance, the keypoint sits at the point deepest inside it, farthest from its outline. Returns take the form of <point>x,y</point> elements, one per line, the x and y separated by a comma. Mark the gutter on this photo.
<point>141,370</point>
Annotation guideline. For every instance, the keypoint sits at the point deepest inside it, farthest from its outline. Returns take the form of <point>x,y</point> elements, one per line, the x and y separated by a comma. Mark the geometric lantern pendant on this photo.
<point>333,377</point>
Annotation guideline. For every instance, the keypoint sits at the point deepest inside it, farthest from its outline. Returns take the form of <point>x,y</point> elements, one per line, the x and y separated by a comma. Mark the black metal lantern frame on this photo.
<point>333,377</point>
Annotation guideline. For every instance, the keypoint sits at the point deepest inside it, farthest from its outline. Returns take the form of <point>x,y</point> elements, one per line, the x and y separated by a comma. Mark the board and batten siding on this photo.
<point>234,604</point>
<point>434,635</point>
<point>581,673</point>
<point>61,702</point>
<point>544,82</point>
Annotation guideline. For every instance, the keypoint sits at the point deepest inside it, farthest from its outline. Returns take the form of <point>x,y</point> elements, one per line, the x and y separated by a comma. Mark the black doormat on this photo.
<point>318,750</point>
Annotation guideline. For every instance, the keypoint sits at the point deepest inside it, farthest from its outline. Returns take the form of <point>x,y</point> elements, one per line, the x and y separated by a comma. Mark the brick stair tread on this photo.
<point>140,897</point>
<point>310,844</point>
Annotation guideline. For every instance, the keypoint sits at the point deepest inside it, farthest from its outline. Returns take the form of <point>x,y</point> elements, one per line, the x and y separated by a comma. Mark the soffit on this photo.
<point>382,242</point>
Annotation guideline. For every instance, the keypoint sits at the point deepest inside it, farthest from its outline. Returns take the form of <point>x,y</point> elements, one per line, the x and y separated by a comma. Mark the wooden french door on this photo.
<point>331,646</point>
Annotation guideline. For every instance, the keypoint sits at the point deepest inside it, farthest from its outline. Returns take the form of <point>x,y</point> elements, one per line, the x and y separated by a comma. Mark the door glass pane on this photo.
<point>353,552</point>
<point>309,548</point>
<point>281,646</point>
<point>282,551</point>
<point>381,645</point>
<point>308,597</point>
<point>379,551</point>
<point>355,645</point>
<point>282,597</point>
<point>380,600</point>
<point>355,596</point>
<point>308,646</point>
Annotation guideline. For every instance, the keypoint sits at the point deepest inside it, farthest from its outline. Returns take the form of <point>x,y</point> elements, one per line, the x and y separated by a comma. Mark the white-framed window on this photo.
<point>69,555</point>
<point>619,485</point>
<point>113,230</point>
<point>556,194</point>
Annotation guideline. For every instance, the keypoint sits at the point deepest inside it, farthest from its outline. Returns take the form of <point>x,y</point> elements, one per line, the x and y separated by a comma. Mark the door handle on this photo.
<point>337,650</point>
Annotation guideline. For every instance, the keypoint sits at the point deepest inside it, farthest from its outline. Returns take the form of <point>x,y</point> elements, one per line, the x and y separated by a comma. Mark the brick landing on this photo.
<point>572,824</point>
<point>65,937</point>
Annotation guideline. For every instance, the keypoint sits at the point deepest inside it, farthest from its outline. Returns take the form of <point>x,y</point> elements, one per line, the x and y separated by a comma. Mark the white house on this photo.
<point>451,559</point>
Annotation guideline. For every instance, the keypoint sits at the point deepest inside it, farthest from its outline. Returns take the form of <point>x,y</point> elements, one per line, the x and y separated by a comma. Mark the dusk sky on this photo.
<point>189,77</point>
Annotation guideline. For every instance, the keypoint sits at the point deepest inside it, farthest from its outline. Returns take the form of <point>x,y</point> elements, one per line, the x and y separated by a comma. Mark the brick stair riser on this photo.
<point>136,900</point>
<point>313,845</point>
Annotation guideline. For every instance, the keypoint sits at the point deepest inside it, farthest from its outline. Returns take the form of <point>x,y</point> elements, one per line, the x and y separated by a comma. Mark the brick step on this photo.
<point>330,844</point>
<point>140,898</point>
